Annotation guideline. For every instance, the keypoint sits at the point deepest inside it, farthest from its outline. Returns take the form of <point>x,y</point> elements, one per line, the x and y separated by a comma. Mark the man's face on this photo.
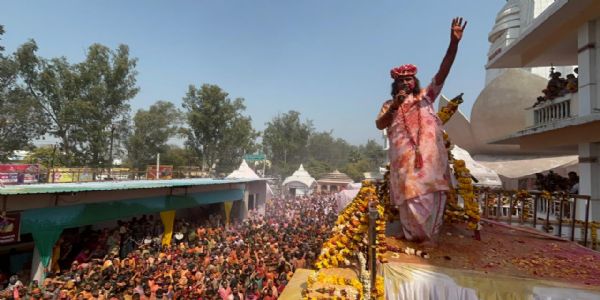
<point>408,81</point>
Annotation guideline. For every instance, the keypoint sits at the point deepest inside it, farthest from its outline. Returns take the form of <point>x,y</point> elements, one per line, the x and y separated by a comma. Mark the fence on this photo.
<point>553,110</point>
<point>65,175</point>
<point>542,210</point>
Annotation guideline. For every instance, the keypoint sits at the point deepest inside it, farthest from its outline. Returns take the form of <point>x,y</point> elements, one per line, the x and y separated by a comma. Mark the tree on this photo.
<point>20,118</point>
<point>48,156</point>
<point>373,153</point>
<point>322,146</point>
<point>217,130</point>
<point>152,129</point>
<point>317,168</point>
<point>285,141</point>
<point>179,156</point>
<point>356,169</point>
<point>86,104</point>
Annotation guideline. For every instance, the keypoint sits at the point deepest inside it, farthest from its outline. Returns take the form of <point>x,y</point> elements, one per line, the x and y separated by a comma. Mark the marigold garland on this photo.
<point>523,196</point>
<point>448,111</point>
<point>336,290</point>
<point>349,235</point>
<point>453,212</point>
<point>465,190</point>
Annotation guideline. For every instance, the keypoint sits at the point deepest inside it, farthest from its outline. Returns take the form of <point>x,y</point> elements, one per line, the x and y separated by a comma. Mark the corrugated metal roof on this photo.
<point>46,188</point>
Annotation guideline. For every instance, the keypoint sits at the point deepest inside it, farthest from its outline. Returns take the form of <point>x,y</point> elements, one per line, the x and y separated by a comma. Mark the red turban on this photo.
<point>404,70</point>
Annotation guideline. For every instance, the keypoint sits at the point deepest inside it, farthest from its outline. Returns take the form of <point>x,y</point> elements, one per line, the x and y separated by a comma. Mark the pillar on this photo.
<point>588,43</point>
<point>589,179</point>
<point>244,209</point>
<point>37,267</point>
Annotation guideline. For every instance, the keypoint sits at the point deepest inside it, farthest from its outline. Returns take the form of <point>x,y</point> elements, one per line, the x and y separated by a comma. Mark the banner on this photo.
<point>227,206</point>
<point>71,175</point>
<point>167,217</point>
<point>166,172</point>
<point>9,228</point>
<point>19,173</point>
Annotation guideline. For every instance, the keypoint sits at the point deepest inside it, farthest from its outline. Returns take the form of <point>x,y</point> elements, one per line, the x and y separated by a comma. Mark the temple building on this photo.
<point>257,195</point>
<point>333,182</point>
<point>299,184</point>
<point>505,105</point>
<point>566,33</point>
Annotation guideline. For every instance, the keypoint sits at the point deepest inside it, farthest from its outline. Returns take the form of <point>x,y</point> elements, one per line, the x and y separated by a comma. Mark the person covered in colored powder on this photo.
<point>419,175</point>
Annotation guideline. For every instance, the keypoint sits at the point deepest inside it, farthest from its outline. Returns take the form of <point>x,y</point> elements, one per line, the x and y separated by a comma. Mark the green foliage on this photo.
<point>288,143</point>
<point>318,168</point>
<point>48,156</point>
<point>217,130</point>
<point>364,158</point>
<point>373,153</point>
<point>178,156</point>
<point>357,169</point>
<point>322,146</point>
<point>285,141</point>
<point>85,104</point>
<point>152,129</point>
<point>20,118</point>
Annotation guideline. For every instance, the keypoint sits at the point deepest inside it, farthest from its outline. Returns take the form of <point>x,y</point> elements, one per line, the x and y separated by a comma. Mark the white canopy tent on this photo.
<point>484,175</point>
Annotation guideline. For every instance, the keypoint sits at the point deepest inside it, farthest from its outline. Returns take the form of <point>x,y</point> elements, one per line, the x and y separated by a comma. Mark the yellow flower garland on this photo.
<point>465,190</point>
<point>522,196</point>
<point>315,277</point>
<point>350,230</point>
<point>453,212</point>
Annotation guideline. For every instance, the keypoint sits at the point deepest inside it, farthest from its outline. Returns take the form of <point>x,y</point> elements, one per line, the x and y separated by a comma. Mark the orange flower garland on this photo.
<point>522,196</point>
<point>453,212</point>
<point>349,234</point>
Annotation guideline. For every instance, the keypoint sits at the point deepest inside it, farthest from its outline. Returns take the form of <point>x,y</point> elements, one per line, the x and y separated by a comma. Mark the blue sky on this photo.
<point>328,59</point>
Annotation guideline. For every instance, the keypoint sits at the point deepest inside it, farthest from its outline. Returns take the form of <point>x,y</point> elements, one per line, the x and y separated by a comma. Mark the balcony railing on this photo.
<point>560,215</point>
<point>560,108</point>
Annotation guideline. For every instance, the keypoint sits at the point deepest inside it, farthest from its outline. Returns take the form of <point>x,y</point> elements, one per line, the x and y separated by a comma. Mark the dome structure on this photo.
<point>498,112</point>
<point>500,108</point>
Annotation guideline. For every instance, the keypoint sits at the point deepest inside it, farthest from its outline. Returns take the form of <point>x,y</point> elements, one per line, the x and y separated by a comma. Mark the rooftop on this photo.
<point>113,185</point>
<point>336,176</point>
<point>551,38</point>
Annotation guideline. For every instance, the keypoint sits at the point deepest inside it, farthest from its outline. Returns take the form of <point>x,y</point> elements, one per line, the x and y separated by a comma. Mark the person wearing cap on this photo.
<point>418,160</point>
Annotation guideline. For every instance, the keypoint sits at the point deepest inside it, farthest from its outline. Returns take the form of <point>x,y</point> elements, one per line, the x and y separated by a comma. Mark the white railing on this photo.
<point>561,108</point>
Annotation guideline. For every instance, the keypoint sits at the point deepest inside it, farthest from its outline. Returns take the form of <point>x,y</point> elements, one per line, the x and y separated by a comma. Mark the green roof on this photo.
<point>48,188</point>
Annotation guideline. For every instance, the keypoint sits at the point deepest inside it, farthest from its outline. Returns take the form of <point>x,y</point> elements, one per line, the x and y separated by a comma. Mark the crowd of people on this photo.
<point>553,182</point>
<point>252,259</point>
<point>558,86</point>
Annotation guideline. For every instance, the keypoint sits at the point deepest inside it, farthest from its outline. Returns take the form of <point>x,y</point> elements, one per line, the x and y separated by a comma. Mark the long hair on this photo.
<point>415,91</point>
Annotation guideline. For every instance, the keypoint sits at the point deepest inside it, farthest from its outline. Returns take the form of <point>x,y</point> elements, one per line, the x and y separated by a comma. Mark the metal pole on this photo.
<point>587,219</point>
<point>52,163</point>
<point>110,159</point>
<point>510,209</point>
<point>560,214</point>
<point>498,206</point>
<point>573,218</point>
<point>548,206</point>
<point>487,203</point>
<point>157,166</point>
<point>372,262</point>
<point>535,207</point>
